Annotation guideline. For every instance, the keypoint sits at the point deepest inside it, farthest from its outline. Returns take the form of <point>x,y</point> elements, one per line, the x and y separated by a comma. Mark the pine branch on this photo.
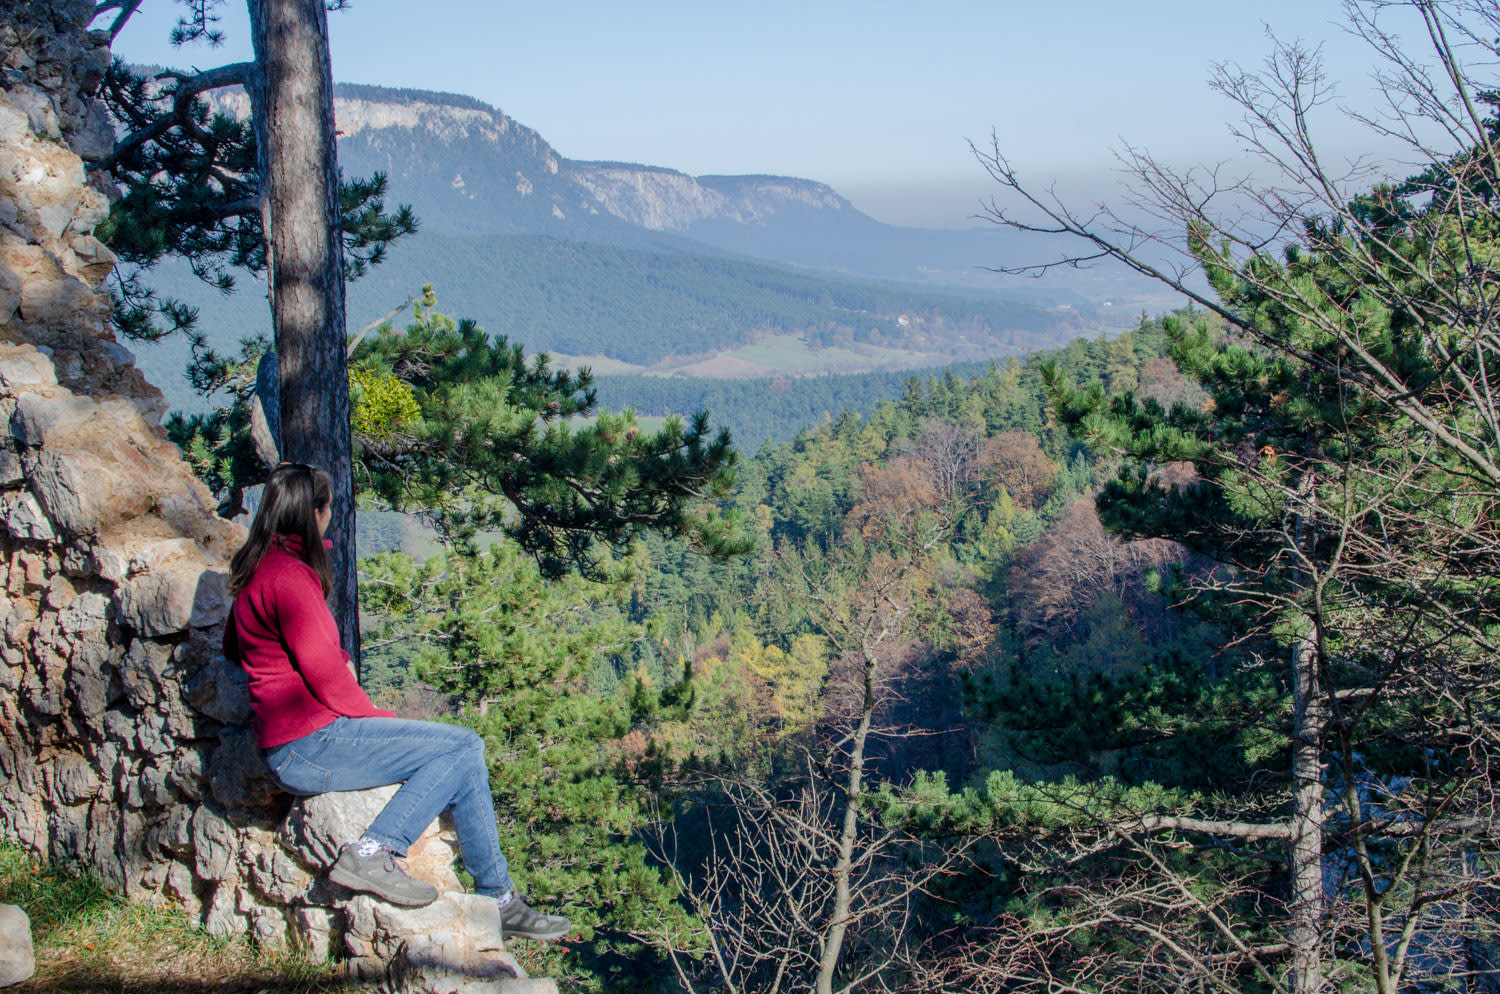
<point>183,95</point>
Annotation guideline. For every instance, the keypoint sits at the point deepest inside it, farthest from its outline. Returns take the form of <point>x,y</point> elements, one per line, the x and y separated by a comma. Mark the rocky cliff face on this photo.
<point>125,740</point>
<point>473,169</point>
<point>667,200</point>
<point>118,711</point>
<point>656,199</point>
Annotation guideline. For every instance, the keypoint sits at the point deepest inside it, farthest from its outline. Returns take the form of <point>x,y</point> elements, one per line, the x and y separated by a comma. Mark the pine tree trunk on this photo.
<point>293,112</point>
<point>1309,718</point>
<point>1305,929</point>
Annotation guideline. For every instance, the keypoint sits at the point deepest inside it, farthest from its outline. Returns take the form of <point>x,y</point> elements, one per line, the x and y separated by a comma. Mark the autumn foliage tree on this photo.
<point>1058,578</point>
<point>1015,461</point>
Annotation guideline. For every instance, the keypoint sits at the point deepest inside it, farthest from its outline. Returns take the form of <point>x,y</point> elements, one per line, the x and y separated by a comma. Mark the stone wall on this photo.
<point>120,725</point>
<point>125,741</point>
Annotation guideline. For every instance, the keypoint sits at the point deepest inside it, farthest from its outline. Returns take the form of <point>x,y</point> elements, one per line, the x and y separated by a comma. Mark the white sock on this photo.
<point>506,898</point>
<point>367,847</point>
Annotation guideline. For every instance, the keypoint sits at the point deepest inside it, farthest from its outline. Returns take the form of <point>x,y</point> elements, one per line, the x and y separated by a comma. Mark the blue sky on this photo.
<point>876,98</point>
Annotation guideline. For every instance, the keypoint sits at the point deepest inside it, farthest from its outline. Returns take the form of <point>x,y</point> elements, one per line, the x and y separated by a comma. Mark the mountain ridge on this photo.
<point>472,169</point>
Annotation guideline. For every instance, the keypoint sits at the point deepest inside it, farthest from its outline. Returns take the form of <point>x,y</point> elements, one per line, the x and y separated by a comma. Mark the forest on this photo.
<point>763,410</point>
<point>642,306</point>
<point>1161,662</point>
<point>701,688</point>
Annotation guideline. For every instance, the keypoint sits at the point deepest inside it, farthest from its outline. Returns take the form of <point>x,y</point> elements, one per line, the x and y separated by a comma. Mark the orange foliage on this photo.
<point>1059,577</point>
<point>892,491</point>
<point>1016,462</point>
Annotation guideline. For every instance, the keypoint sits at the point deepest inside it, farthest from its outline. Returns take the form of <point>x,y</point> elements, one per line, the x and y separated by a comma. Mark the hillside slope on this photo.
<point>642,309</point>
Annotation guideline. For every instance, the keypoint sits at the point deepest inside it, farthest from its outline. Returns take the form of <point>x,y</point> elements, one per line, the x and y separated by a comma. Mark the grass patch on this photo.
<point>89,940</point>
<point>791,355</point>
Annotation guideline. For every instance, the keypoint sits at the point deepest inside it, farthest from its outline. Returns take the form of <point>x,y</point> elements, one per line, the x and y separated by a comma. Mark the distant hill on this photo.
<point>471,169</point>
<point>653,311</point>
<point>640,307</point>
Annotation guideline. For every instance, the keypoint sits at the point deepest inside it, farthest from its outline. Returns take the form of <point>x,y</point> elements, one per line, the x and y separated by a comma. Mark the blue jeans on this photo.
<point>440,767</point>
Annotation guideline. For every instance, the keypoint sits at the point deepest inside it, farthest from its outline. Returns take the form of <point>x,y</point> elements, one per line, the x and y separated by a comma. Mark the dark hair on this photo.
<point>294,494</point>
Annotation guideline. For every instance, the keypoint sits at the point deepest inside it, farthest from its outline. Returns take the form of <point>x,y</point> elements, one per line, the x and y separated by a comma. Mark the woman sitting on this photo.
<point>319,731</point>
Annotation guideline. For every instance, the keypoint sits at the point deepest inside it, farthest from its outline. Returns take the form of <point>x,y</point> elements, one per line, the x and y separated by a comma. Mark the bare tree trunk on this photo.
<point>843,867</point>
<point>293,94</point>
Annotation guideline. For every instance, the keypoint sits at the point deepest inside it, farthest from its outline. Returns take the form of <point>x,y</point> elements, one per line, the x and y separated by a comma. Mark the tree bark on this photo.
<point>292,91</point>
<point>843,867</point>
<point>1305,928</point>
<point>1309,720</point>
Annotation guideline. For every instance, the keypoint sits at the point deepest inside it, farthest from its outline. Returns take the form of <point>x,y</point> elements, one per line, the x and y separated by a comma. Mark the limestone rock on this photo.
<point>215,848</point>
<point>10,285</point>
<point>452,946</point>
<point>53,298</point>
<point>182,596</point>
<point>276,877</point>
<point>187,773</point>
<point>86,485</point>
<point>75,779</point>
<point>237,774</point>
<point>154,557</point>
<point>439,964</point>
<point>85,614</point>
<point>13,125</point>
<point>318,928</point>
<point>24,518</point>
<point>73,490</point>
<point>25,366</point>
<point>92,261</point>
<point>175,835</point>
<point>124,738</point>
<point>268,926</point>
<point>93,676</point>
<point>10,467</point>
<point>120,729</point>
<point>41,116</point>
<point>222,917</point>
<point>17,958</point>
<point>142,672</point>
<point>95,139</point>
<point>41,414</point>
<point>318,827</point>
<point>153,734</point>
<point>430,858</point>
<point>220,690</point>
<point>179,886</point>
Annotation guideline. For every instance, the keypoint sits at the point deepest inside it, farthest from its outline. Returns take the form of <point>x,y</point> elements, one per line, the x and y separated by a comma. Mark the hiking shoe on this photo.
<point>517,918</point>
<point>379,875</point>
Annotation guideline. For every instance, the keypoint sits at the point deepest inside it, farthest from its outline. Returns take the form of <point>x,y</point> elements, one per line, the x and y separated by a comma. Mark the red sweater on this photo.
<point>281,631</point>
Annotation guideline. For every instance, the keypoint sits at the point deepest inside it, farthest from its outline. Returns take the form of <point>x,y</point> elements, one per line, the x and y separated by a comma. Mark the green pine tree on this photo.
<point>515,649</point>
